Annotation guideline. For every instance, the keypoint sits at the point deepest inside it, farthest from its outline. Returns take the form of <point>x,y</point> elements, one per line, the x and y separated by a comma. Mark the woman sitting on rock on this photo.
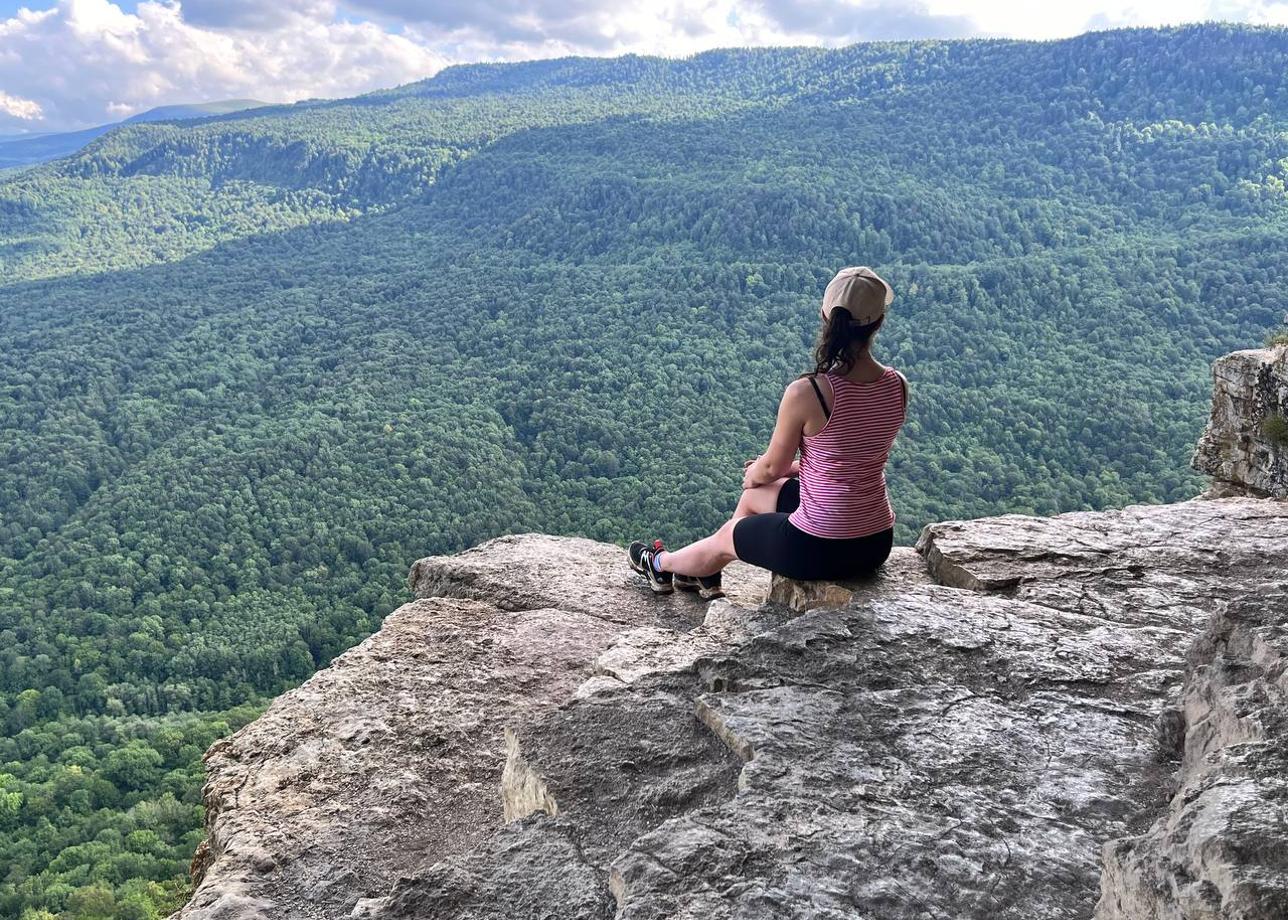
<point>827,515</point>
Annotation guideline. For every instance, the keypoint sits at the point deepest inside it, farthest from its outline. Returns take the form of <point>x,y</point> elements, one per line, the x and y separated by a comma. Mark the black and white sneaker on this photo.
<point>641,557</point>
<point>708,586</point>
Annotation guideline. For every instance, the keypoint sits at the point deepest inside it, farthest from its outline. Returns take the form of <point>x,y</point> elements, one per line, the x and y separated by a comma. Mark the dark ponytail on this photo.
<point>841,341</point>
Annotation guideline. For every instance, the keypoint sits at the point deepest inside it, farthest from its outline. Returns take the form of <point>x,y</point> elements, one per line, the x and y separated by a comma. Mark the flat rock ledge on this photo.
<point>1022,718</point>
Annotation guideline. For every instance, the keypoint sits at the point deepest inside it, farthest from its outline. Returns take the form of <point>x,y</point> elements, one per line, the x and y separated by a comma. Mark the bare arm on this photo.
<point>779,459</point>
<point>794,471</point>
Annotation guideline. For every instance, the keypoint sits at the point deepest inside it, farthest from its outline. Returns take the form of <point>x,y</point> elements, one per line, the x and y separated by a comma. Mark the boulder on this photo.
<point>1244,449</point>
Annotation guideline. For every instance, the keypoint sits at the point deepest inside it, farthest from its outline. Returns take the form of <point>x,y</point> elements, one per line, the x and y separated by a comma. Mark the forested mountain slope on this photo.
<point>254,364</point>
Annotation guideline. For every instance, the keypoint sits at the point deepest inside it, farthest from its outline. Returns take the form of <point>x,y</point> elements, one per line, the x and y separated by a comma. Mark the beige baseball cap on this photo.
<point>861,291</point>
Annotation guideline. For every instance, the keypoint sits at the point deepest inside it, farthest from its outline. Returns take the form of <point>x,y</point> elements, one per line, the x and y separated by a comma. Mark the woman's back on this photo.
<point>842,469</point>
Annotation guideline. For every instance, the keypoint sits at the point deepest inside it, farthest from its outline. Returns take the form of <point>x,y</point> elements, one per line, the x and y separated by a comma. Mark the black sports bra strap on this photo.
<point>827,413</point>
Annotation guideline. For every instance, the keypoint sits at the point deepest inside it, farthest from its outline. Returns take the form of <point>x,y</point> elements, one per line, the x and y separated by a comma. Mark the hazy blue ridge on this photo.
<point>24,150</point>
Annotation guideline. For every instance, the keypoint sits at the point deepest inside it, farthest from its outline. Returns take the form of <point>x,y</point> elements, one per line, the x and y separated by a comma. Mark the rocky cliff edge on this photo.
<point>1067,717</point>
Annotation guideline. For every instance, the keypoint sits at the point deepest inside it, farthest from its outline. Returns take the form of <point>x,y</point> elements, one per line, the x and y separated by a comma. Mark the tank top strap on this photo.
<point>827,411</point>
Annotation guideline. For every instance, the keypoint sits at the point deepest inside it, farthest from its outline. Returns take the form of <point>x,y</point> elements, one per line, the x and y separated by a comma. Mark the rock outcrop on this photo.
<point>960,738</point>
<point>1022,718</point>
<point>1245,446</point>
<point>1218,849</point>
<point>391,758</point>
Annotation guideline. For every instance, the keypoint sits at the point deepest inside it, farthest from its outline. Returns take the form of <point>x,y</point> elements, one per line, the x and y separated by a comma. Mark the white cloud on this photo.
<point>15,107</point>
<point>1025,19</point>
<point>526,29</point>
<point>83,62</point>
<point>844,21</point>
<point>512,29</point>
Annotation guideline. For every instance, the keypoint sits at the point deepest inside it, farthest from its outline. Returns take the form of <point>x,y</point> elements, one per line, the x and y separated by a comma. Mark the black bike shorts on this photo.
<point>773,542</point>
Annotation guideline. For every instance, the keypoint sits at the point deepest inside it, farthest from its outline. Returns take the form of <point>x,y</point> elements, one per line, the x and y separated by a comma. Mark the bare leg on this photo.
<point>705,557</point>
<point>760,500</point>
<point>711,554</point>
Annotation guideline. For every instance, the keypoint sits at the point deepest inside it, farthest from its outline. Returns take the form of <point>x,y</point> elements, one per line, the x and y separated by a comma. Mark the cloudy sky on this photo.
<point>74,63</point>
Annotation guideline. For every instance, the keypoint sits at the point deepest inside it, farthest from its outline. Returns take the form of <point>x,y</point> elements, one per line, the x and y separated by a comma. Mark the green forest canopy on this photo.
<point>255,365</point>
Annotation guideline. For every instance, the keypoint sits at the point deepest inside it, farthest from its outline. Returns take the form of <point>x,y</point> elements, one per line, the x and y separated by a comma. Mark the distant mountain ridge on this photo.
<point>26,149</point>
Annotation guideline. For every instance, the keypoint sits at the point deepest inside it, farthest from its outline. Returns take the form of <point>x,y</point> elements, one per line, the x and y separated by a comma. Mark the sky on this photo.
<point>67,64</point>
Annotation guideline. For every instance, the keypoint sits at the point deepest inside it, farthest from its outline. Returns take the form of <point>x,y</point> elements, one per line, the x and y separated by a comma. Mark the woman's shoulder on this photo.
<point>807,392</point>
<point>802,388</point>
<point>890,373</point>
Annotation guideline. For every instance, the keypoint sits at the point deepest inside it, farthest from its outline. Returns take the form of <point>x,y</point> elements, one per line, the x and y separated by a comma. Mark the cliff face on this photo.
<point>1021,718</point>
<point>1218,849</point>
<point>1236,450</point>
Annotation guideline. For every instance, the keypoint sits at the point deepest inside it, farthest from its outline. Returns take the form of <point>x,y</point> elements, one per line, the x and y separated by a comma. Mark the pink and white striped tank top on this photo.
<point>843,487</point>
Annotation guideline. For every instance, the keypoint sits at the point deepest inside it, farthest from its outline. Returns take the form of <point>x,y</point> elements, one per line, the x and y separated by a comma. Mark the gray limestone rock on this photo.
<point>941,753</point>
<point>1161,565</point>
<point>1220,847</point>
<point>891,748</point>
<point>531,870</point>
<point>391,759</point>
<point>570,573</point>
<point>1248,387</point>
<point>904,569</point>
<point>311,806</point>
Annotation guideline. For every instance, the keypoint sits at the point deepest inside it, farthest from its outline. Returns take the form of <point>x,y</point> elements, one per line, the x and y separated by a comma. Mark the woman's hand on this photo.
<point>749,480</point>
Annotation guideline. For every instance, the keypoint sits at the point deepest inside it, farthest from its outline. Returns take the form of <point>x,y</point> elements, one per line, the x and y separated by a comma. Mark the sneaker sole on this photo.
<point>706,594</point>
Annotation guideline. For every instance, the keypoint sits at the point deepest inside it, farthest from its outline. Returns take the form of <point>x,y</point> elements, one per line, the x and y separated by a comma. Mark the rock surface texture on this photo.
<point>966,735</point>
<point>391,759</point>
<point>1218,849</point>
<point>1242,452</point>
<point>1020,719</point>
